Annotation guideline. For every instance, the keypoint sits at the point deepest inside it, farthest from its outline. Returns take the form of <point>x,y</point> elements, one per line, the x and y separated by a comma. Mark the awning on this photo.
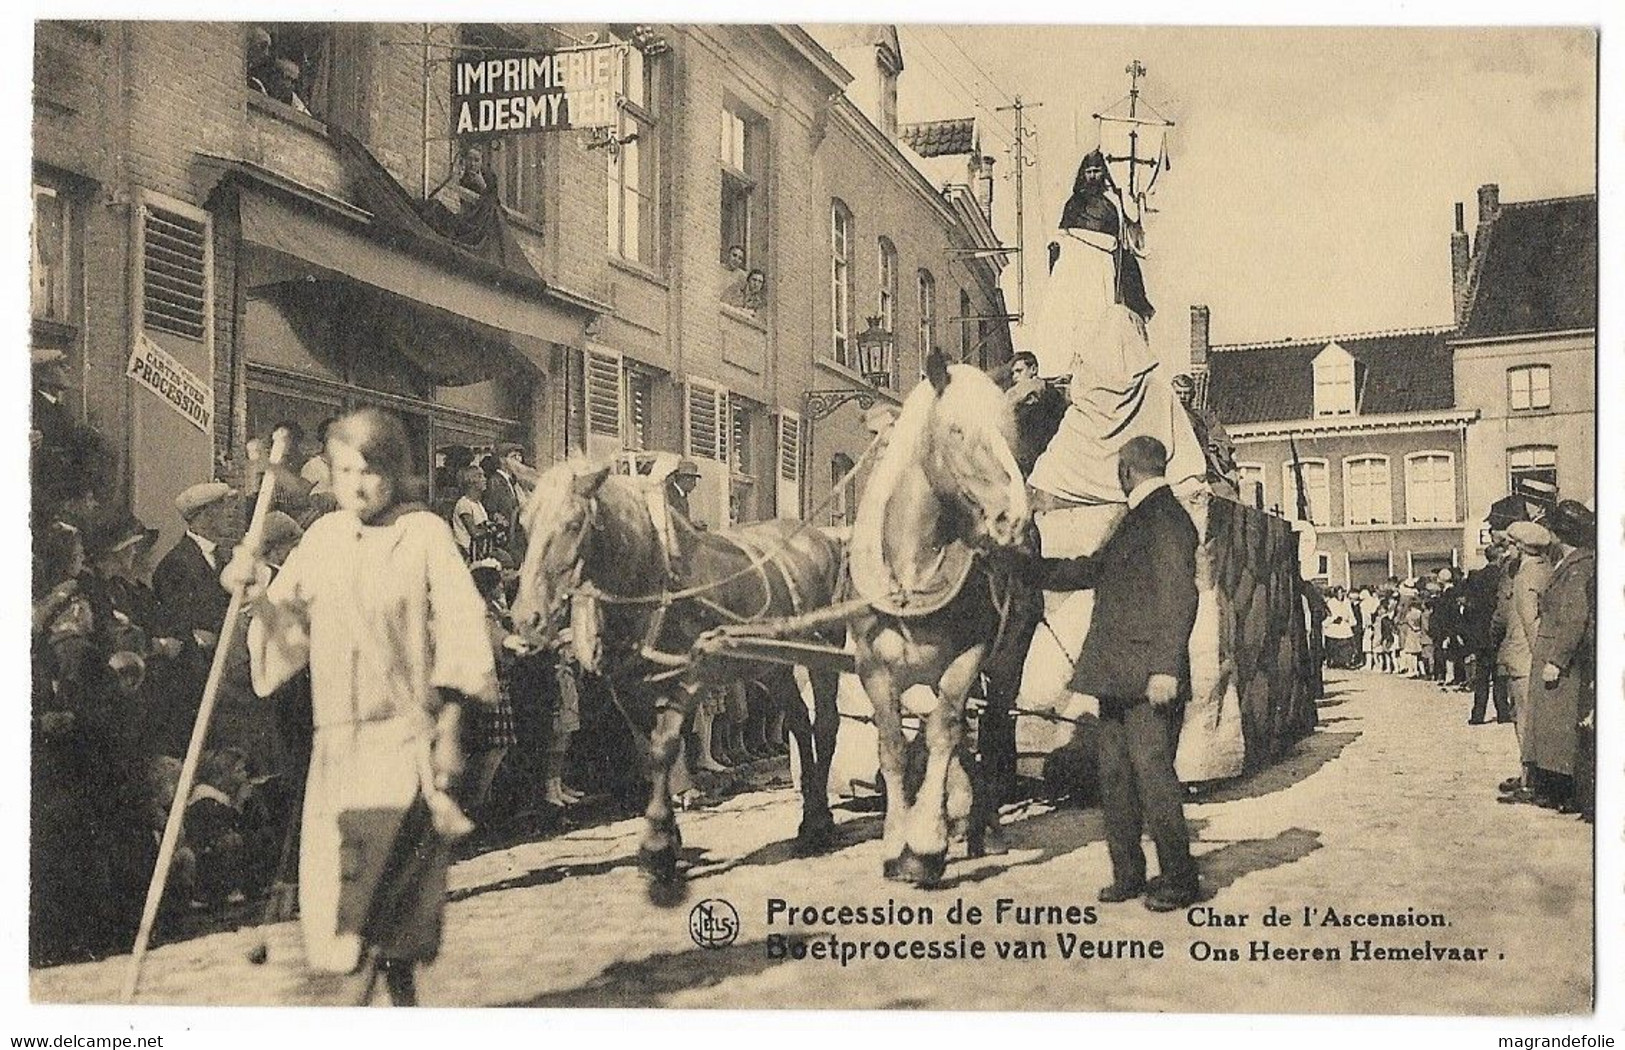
<point>270,223</point>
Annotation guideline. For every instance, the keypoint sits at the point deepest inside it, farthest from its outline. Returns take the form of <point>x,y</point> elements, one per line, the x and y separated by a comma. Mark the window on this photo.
<point>840,285</point>
<point>517,164</point>
<point>293,63</point>
<point>1367,491</point>
<point>886,297</point>
<point>927,315</point>
<point>1316,489</point>
<point>1529,388</point>
<point>50,286</point>
<point>886,303</point>
<point>634,232</point>
<point>1531,461</point>
<point>1323,565</point>
<point>1251,477</point>
<point>964,325</point>
<point>1430,487</point>
<point>1334,382</point>
<point>514,163</point>
<point>842,509</point>
<point>744,186</point>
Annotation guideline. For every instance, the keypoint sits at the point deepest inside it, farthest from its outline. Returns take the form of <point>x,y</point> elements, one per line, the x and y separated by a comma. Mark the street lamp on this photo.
<point>877,355</point>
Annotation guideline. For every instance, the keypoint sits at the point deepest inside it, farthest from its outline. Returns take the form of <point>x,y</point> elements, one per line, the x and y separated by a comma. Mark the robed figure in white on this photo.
<point>1095,309</point>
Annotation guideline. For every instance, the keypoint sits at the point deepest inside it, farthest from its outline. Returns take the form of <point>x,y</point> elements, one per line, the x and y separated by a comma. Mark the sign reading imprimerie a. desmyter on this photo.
<point>156,369</point>
<point>520,94</point>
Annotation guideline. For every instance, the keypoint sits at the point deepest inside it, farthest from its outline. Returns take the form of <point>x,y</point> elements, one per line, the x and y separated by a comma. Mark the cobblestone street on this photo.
<point>1389,806</point>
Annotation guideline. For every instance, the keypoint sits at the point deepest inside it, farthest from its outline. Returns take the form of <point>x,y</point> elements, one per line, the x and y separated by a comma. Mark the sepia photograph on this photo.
<point>815,516</point>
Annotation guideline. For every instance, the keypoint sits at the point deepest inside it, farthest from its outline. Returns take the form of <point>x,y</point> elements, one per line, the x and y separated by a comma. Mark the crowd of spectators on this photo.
<point>1518,634</point>
<point>122,645</point>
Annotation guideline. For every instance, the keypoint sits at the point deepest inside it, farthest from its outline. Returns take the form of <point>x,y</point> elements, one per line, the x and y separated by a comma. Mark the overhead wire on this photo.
<point>1001,130</point>
<point>974,64</point>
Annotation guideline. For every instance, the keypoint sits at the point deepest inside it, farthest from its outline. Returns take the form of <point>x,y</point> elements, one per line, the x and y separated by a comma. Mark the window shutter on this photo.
<point>789,465</point>
<point>174,273</point>
<point>603,402</point>
<point>706,427</point>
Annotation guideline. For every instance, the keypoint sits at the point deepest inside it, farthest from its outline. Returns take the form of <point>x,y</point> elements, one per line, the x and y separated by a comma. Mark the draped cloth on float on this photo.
<point>1117,392</point>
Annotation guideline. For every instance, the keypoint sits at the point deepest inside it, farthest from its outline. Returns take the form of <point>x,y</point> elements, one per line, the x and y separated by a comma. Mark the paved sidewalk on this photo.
<point>1389,808</point>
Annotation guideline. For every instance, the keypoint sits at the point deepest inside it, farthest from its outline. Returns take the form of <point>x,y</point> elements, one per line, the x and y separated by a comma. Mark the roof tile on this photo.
<point>1396,372</point>
<point>1536,269</point>
<point>940,138</point>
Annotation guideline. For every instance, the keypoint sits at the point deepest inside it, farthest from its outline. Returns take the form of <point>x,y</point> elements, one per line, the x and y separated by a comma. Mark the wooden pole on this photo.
<point>200,730</point>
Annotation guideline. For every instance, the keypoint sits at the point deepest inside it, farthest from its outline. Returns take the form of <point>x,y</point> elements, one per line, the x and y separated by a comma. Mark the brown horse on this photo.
<point>947,483</point>
<point>592,533</point>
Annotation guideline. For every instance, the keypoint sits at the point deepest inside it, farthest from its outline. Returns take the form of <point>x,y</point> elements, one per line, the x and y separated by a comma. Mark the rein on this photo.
<point>757,566</point>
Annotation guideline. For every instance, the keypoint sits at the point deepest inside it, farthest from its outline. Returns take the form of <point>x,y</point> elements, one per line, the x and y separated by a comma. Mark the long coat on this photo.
<point>1567,638</point>
<point>1520,614</point>
<point>1144,580</point>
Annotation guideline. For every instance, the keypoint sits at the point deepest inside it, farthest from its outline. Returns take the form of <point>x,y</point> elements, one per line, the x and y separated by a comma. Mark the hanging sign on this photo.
<point>523,93</point>
<point>176,385</point>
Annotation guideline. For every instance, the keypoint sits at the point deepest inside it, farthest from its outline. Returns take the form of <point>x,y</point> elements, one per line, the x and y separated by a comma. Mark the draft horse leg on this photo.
<point>813,744</point>
<point>661,839</point>
<point>881,686</point>
<point>925,854</point>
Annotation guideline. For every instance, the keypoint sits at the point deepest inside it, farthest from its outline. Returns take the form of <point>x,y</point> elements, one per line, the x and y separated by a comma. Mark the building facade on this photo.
<point>281,216</point>
<point>1370,426</point>
<point>1525,350</point>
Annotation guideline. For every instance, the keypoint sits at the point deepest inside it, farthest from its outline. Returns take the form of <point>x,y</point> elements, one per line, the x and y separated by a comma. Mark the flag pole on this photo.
<point>200,729</point>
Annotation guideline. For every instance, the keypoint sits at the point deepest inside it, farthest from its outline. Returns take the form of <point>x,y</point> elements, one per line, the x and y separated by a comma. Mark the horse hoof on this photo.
<point>989,842</point>
<point>893,869</point>
<point>668,894</point>
<point>660,864</point>
<point>815,837</point>
<point>922,869</point>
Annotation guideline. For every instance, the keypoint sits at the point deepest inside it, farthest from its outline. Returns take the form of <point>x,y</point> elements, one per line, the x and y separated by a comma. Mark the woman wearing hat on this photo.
<point>377,602</point>
<point>1529,568</point>
<point>1564,676</point>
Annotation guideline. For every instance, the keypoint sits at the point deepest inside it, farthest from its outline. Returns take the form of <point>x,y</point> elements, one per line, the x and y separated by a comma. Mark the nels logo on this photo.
<point>713,923</point>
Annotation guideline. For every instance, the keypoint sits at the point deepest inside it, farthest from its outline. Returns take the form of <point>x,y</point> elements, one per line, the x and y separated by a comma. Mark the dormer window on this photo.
<point>1334,382</point>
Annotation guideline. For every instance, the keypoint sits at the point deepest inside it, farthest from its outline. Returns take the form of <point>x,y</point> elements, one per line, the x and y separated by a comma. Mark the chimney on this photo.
<point>1489,202</point>
<point>1200,319</point>
<point>1460,259</point>
<point>982,182</point>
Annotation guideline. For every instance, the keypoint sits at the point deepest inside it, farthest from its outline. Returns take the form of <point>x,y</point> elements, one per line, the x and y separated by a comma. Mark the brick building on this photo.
<point>1525,350</point>
<point>313,239</point>
<point>1369,422</point>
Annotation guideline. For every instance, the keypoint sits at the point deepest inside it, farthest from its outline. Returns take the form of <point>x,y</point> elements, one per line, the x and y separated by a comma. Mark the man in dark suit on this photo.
<point>505,498</point>
<point>1136,661</point>
<point>187,585</point>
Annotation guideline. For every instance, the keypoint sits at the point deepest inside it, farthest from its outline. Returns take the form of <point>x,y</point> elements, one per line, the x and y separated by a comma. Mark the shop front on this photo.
<point>332,320</point>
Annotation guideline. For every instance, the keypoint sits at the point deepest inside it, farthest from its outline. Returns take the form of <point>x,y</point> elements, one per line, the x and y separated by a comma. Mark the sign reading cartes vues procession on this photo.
<point>519,93</point>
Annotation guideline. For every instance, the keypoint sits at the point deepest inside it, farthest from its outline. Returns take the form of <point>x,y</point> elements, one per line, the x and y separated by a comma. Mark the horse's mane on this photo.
<point>970,399</point>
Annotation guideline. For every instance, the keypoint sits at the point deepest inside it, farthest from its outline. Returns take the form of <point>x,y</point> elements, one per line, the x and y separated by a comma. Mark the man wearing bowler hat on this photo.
<point>680,485</point>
